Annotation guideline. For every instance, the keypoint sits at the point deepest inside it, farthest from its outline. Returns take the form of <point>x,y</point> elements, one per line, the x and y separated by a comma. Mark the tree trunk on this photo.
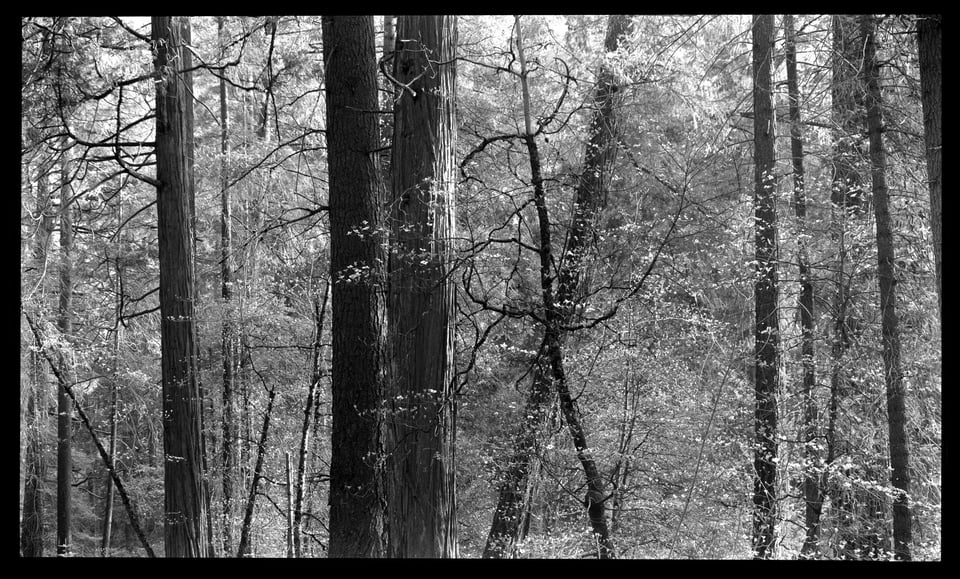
<point>114,387</point>
<point>847,112</point>
<point>765,288</point>
<point>356,274</point>
<point>846,198</point>
<point>228,330</point>
<point>812,490</point>
<point>185,500</point>
<point>31,525</point>
<point>64,407</point>
<point>289,488</point>
<point>245,548</point>
<point>420,420</point>
<point>929,44</point>
<point>896,407</point>
<point>319,308</point>
<point>590,197</point>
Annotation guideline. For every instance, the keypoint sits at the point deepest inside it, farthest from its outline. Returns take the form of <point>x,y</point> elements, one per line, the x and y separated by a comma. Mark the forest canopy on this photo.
<point>463,286</point>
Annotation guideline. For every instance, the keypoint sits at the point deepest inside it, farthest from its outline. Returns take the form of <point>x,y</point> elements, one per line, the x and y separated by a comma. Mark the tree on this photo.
<point>812,487</point>
<point>64,405</point>
<point>931,76</point>
<point>420,406</point>
<point>590,197</point>
<point>886,277</point>
<point>228,329</point>
<point>767,330</point>
<point>32,525</point>
<point>357,262</point>
<point>185,500</point>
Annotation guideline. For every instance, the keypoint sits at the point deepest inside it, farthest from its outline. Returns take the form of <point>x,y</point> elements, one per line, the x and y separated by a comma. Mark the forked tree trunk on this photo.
<point>185,499</point>
<point>886,275</point>
<point>356,275</point>
<point>507,527</point>
<point>420,404</point>
<point>767,330</point>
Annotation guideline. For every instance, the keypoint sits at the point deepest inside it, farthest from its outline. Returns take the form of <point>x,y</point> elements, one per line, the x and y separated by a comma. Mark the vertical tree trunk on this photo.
<point>929,44</point>
<point>389,35</point>
<point>356,273</point>
<point>185,499</point>
<point>228,331</point>
<point>765,289</point>
<point>31,526</point>
<point>896,407</point>
<point>319,308</point>
<point>812,489</point>
<point>420,420</point>
<point>289,473</point>
<point>114,387</point>
<point>590,197</point>
<point>846,197</point>
<point>64,406</point>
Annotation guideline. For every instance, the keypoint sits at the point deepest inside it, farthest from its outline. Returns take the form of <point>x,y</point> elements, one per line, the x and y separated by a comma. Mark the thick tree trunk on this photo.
<point>847,114</point>
<point>185,499</point>
<point>886,275</point>
<point>420,420</point>
<point>846,199</point>
<point>929,44</point>
<point>812,490</point>
<point>356,271</point>
<point>767,325</point>
<point>64,406</point>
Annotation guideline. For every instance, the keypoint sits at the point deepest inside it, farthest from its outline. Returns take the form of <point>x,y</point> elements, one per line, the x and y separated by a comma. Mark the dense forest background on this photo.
<point>611,203</point>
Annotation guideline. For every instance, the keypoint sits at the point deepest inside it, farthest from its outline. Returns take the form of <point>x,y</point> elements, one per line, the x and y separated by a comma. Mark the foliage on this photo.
<point>664,386</point>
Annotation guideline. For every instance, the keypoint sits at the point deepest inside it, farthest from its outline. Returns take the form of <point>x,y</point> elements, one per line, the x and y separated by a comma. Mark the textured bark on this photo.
<point>847,114</point>
<point>357,263</point>
<point>31,524</point>
<point>846,194</point>
<point>185,500</point>
<point>420,419</point>
<point>229,457</point>
<point>64,407</point>
<point>886,275</point>
<point>590,197</point>
<point>929,43</point>
<point>812,488</point>
<point>765,290</point>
